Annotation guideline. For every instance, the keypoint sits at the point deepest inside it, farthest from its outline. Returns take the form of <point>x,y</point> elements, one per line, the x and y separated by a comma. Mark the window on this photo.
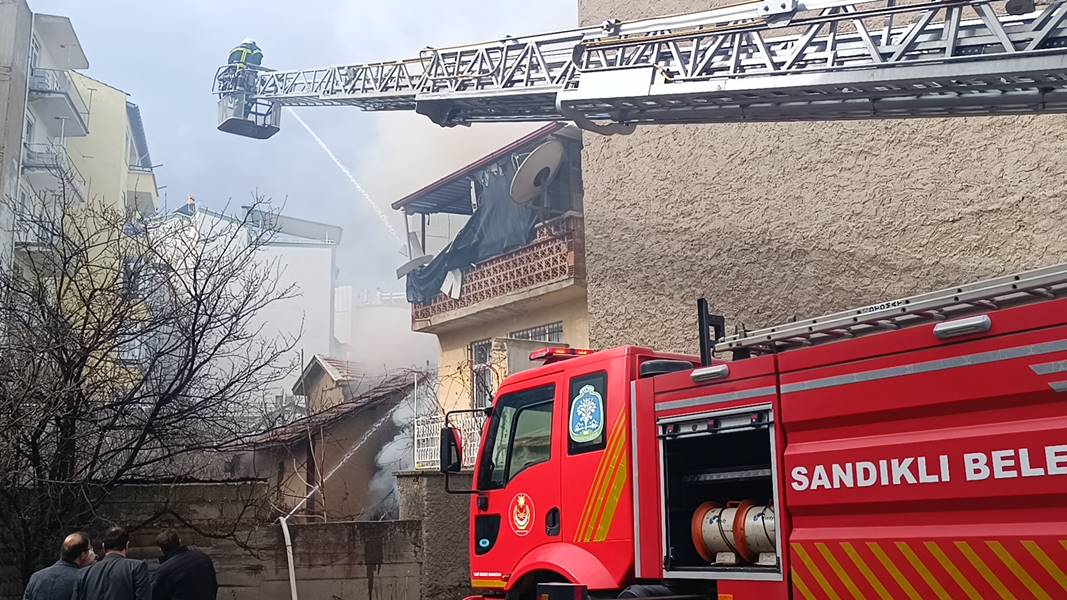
<point>587,413</point>
<point>519,437</point>
<point>481,373</point>
<point>28,139</point>
<point>553,332</point>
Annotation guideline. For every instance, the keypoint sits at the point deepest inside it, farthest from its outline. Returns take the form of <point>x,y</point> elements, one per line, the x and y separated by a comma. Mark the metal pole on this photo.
<point>289,557</point>
<point>415,423</point>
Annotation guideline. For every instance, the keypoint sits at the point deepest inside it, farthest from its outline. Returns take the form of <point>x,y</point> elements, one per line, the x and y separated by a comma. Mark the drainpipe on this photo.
<point>289,558</point>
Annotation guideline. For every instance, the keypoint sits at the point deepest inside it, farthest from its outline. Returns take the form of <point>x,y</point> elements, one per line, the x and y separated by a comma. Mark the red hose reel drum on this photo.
<point>742,529</point>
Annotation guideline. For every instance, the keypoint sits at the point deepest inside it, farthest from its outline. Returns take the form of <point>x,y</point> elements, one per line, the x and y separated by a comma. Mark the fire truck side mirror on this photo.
<point>451,450</point>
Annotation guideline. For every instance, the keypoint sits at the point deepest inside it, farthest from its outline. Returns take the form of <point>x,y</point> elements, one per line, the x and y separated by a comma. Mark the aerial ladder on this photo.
<point>772,60</point>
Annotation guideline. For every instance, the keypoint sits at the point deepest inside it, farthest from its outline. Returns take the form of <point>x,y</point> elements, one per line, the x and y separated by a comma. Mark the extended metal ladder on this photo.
<point>774,60</point>
<point>1029,286</point>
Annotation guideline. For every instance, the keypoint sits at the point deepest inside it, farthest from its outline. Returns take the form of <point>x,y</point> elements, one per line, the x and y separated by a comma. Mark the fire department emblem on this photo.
<point>522,514</point>
<point>587,415</point>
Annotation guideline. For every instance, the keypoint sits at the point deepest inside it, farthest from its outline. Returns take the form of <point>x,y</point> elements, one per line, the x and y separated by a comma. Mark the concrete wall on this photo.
<point>335,561</point>
<point>775,220</point>
<point>444,533</point>
<point>454,368</point>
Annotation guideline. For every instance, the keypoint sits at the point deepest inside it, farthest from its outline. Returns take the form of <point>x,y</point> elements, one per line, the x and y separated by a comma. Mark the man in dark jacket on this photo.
<point>183,574</point>
<point>57,581</point>
<point>115,577</point>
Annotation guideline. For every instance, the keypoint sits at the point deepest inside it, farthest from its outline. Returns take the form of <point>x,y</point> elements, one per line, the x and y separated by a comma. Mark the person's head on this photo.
<point>116,540</point>
<point>249,43</point>
<point>78,549</point>
<point>168,541</point>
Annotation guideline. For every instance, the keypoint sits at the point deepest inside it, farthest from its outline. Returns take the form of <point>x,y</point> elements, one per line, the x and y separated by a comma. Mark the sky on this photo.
<point>164,54</point>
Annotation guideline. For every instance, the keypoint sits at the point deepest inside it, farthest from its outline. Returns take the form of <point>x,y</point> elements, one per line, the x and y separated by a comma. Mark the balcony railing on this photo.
<point>54,159</point>
<point>32,231</point>
<point>557,253</point>
<point>52,81</point>
<point>428,439</point>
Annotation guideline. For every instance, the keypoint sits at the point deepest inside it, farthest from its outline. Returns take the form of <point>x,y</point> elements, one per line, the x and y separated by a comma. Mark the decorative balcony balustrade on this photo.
<point>556,254</point>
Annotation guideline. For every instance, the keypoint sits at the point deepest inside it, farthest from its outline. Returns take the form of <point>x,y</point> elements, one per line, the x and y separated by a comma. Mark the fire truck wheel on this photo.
<point>527,588</point>
<point>645,591</point>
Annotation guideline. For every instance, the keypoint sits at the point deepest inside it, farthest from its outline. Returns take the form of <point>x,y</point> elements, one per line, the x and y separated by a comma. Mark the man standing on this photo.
<point>115,577</point>
<point>183,574</point>
<point>246,53</point>
<point>57,581</point>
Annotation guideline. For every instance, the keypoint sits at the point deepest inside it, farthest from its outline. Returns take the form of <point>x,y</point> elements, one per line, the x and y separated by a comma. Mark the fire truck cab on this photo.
<point>927,459</point>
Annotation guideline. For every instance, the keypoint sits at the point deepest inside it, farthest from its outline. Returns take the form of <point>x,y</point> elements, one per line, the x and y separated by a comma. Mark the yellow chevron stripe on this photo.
<point>802,587</point>
<point>615,453</point>
<point>953,571</point>
<point>1064,544</point>
<point>857,560</point>
<point>815,572</point>
<point>1050,567</point>
<point>893,570</point>
<point>841,574</point>
<point>591,499</point>
<point>983,570</point>
<point>489,583</point>
<point>596,492</point>
<point>614,495</point>
<point>1017,570</point>
<point>919,567</point>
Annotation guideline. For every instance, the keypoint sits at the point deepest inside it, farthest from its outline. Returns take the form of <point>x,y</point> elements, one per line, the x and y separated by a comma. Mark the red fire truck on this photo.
<point>912,449</point>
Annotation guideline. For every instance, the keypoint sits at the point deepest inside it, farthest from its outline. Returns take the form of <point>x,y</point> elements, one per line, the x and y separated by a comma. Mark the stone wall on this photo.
<point>445,535</point>
<point>423,555</point>
<point>775,220</point>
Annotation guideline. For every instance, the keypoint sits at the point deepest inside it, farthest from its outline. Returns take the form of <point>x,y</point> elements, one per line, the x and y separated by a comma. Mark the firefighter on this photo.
<point>245,54</point>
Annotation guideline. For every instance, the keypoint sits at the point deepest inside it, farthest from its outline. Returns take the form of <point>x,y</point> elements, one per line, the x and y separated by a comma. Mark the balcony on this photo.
<point>141,194</point>
<point>53,96</point>
<point>550,269</point>
<point>48,167</point>
<point>427,434</point>
<point>33,232</point>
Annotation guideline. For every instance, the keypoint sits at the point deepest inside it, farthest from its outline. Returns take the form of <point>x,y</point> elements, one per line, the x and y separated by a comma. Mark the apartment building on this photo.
<point>40,110</point>
<point>494,279</point>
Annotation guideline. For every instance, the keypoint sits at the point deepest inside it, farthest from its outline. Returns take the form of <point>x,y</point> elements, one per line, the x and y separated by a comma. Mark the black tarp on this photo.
<point>499,225</point>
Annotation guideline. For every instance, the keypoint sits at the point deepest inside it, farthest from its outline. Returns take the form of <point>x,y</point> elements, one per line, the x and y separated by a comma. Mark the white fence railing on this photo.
<point>428,439</point>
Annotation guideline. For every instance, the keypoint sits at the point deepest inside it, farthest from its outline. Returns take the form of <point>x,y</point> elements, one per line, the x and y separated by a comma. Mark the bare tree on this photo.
<point>129,350</point>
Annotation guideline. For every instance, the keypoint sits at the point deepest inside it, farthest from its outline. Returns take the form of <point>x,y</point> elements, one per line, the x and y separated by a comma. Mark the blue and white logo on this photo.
<point>587,415</point>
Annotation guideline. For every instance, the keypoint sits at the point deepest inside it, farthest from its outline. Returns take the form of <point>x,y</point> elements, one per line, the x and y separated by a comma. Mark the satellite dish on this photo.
<point>537,172</point>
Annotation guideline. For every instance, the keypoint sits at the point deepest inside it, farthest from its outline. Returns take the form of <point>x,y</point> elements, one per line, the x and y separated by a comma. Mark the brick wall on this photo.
<point>775,220</point>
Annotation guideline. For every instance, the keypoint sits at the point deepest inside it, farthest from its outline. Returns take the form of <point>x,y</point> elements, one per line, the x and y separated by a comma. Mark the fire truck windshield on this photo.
<point>519,437</point>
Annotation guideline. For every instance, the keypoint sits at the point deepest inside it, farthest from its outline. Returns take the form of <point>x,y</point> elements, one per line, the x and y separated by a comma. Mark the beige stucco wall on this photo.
<point>103,156</point>
<point>775,220</point>
<point>454,365</point>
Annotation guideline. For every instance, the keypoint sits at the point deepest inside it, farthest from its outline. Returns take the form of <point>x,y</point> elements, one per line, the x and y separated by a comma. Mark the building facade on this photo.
<point>41,109</point>
<point>114,158</point>
<point>487,272</point>
<point>302,253</point>
<point>373,330</point>
<point>775,220</point>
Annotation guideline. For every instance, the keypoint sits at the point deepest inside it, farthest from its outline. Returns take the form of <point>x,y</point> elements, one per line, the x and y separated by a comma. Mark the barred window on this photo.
<point>482,373</point>
<point>553,332</point>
